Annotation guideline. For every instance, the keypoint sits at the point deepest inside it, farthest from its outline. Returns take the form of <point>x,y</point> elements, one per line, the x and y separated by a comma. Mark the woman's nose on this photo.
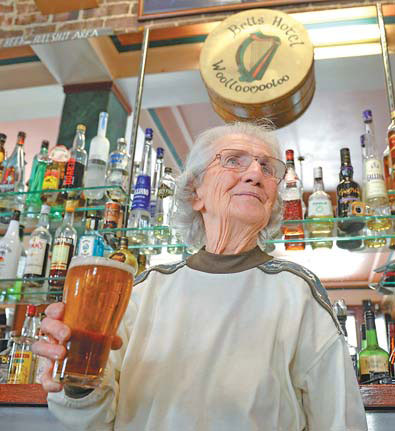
<point>254,174</point>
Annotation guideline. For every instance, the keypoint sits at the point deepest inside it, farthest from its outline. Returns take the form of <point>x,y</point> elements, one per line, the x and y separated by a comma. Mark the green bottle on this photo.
<point>373,360</point>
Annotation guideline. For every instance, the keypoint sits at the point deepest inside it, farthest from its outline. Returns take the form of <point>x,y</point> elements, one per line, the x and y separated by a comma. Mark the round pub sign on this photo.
<point>258,64</point>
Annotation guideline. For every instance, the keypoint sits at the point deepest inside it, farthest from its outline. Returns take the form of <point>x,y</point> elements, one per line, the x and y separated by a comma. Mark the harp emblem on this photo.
<point>255,54</point>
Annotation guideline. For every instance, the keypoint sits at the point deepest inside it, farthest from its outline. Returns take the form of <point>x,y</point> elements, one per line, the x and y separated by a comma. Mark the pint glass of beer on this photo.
<point>96,294</point>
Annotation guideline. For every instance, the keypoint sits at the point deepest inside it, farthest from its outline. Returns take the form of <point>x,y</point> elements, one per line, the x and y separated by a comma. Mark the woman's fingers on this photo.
<point>48,384</point>
<point>55,310</point>
<point>49,350</point>
<point>56,329</point>
<point>116,342</point>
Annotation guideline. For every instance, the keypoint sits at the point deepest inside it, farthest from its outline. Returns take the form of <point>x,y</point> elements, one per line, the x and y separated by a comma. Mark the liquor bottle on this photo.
<point>54,174</point>
<point>340,309</point>
<point>118,172</point>
<point>348,203</point>
<point>95,173</point>
<point>65,241</point>
<point>75,166</point>
<point>124,255</point>
<point>10,249</point>
<point>391,149</point>
<point>165,204</point>
<point>320,206</point>
<point>142,263</point>
<point>3,138</point>
<point>15,290</point>
<point>373,360</point>
<point>391,331</point>
<point>38,251</point>
<point>22,359</point>
<point>14,177</point>
<point>33,199</point>
<point>292,205</point>
<point>376,193</point>
<point>91,243</point>
<point>139,217</point>
<point>363,336</point>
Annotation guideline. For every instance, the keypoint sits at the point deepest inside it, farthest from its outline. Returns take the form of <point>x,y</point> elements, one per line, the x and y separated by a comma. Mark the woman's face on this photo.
<point>246,196</point>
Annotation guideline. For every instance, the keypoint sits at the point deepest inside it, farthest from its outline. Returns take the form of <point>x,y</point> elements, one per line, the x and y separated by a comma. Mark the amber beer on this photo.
<point>96,293</point>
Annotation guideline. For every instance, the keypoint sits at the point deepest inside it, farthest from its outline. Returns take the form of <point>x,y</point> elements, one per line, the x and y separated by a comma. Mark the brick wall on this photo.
<point>22,18</point>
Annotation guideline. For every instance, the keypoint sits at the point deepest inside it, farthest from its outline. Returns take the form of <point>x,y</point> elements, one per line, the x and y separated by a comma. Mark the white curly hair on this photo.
<point>188,222</point>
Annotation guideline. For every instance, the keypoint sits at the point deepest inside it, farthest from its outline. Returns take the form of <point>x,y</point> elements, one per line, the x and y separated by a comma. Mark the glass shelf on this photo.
<point>73,189</point>
<point>337,219</point>
<point>330,238</point>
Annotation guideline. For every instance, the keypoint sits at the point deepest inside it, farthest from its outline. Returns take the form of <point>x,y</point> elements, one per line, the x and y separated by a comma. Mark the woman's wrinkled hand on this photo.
<point>53,348</point>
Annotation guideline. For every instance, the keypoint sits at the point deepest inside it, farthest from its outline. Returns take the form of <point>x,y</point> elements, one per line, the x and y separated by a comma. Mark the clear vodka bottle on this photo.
<point>118,171</point>
<point>95,174</point>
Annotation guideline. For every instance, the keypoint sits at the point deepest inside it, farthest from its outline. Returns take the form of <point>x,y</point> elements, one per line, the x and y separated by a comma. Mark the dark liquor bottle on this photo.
<point>391,331</point>
<point>349,202</point>
<point>75,166</point>
<point>63,249</point>
<point>292,205</point>
<point>373,360</point>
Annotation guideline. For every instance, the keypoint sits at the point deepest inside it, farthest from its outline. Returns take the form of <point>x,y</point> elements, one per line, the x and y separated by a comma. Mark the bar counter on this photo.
<point>24,407</point>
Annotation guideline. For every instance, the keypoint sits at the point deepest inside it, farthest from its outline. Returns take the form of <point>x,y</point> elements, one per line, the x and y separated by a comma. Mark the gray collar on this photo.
<point>227,263</point>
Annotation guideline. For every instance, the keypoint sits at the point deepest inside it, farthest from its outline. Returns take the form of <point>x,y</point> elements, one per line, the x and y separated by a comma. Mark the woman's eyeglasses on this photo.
<point>240,160</point>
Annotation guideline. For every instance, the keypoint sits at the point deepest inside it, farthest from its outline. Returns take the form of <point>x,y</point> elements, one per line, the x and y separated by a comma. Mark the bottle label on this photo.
<point>116,161</point>
<point>375,184</point>
<point>74,174</point>
<point>61,254</point>
<point>90,245</point>
<point>373,364</point>
<point>20,367</point>
<point>9,176</point>
<point>51,179</point>
<point>321,208</point>
<point>142,193</point>
<point>36,262</point>
<point>164,191</point>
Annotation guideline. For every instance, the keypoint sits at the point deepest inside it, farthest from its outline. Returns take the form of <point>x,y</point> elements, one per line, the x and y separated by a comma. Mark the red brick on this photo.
<point>81,25</point>
<point>6,20</point>
<point>10,33</point>
<point>41,29</point>
<point>66,16</point>
<point>33,18</point>
<point>26,8</point>
<point>109,10</point>
<point>6,8</point>
<point>121,23</point>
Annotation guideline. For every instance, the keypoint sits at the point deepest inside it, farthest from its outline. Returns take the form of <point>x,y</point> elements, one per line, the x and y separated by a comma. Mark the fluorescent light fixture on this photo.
<point>355,50</point>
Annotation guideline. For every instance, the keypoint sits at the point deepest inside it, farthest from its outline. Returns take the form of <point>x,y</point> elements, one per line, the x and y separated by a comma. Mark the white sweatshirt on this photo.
<point>224,343</point>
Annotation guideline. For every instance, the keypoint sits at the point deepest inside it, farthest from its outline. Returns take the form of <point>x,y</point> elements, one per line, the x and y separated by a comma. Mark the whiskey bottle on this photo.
<point>292,205</point>
<point>124,255</point>
<point>349,202</point>
<point>376,193</point>
<point>373,360</point>
<point>320,206</point>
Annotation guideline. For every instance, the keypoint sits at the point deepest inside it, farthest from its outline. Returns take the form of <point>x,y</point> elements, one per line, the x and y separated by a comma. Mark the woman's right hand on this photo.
<point>53,349</point>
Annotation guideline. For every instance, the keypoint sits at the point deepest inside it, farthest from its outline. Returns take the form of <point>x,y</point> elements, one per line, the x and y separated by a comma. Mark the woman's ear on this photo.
<point>197,201</point>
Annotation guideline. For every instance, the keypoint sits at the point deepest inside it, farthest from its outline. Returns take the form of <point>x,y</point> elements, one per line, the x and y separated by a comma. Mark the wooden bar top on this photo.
<point>378,396</point>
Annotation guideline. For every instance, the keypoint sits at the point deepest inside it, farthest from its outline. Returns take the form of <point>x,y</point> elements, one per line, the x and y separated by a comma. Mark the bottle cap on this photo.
<point>21,136</point>
<point>121,141</point>
<point>81,128</point>
<point>45,144</point>
<point>31,310</point>
<point>289,154</point>
<point>345,155</point>
<point>159,153</point>
<point>149,133</point>
<point>3,137</point>
<point>45,209</point>
<point>168,170</point>
<point>317,171</point>
<point>367,116</point>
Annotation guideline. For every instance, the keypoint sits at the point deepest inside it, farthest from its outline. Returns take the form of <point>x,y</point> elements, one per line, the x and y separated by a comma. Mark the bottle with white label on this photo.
<point>95,173</point>
<point>38,250</point>
<point>91,242</point>
<point>320,206</point>
<point>10,249</point>
<point>376,196</point>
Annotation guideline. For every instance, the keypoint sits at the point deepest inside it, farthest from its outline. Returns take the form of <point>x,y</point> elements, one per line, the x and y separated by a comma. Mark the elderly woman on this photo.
<point>230,339</point>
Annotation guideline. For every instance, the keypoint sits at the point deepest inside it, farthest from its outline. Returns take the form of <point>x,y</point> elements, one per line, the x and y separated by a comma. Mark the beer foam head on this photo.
<point>100,261</point>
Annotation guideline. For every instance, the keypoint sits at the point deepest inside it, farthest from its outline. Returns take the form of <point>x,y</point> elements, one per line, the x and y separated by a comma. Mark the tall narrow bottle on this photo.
<point>75,166</point>
<point>376,193</point>
<point>118,172</point>
<point>33,200</point>
<point>373,360</point>
<point>14,176</point>
<point>292,205</point>
<point>14,291</point>
<point>22,359</point>
<point>38,251</point>
<point>320,206</point>
<point>95,174</point>
<point>10,248</point>
<point>349,202</point>
<point>91,243</point>
<point>391,330</point>
<point>3,138</point>
<point>65,241</point>
<point>139,217</point>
